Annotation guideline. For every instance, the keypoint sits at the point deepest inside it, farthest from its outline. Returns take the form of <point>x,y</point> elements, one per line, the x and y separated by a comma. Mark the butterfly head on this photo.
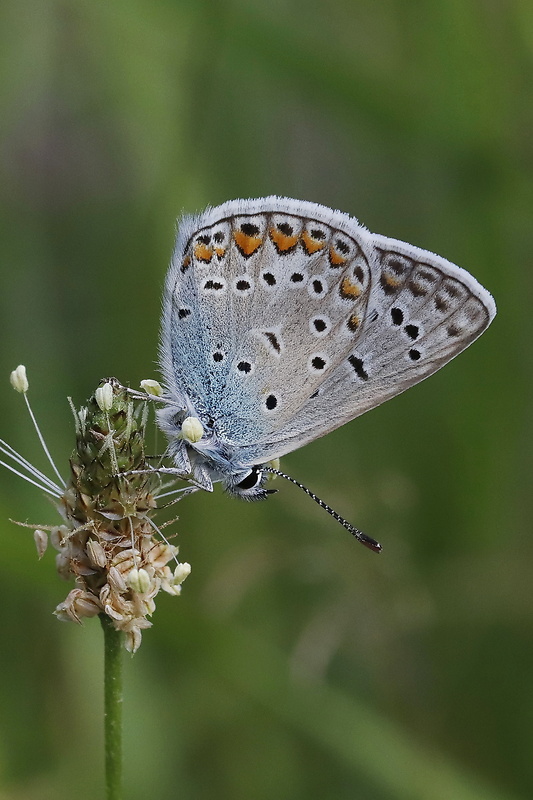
<point>248,484</point>
<point>196,450</point>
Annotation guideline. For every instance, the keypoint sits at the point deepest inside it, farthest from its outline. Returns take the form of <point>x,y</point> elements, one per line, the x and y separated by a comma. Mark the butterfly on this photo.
<point>283,320</point>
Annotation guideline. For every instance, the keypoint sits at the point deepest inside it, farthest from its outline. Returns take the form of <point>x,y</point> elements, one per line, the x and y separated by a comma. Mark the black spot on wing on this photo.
<point>358,366</point>
<point>396,315</point>
<point>249,229</point>
<point>318,363</point>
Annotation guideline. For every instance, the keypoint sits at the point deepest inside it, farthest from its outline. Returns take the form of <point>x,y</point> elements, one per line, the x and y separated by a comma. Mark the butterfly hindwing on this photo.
<point>423,311</point>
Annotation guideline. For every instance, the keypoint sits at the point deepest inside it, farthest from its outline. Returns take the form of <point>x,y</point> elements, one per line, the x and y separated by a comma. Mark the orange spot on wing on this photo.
<point>391,281</point>
<point>349,290</point>
<point>354,322</point>
<point>310,244</point>
<point>283,242</point>
<point>203,253</point>
<point>220,252</point>
<point>186,263</point>
<point>247,244</point>
<point>335,258</point>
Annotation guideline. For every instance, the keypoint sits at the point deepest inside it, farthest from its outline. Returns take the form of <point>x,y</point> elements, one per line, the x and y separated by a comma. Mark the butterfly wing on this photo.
<point>283,320</point>
<point>254,291</point>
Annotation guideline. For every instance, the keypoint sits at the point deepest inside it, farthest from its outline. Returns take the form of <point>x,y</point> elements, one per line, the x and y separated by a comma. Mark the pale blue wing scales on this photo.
<point>249,301</point>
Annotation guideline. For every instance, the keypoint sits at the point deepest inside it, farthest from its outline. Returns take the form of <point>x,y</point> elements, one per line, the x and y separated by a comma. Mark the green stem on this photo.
<point>113,708</point>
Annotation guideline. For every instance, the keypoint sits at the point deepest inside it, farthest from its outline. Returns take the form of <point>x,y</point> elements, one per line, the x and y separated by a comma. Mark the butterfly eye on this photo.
<point>252,480</point>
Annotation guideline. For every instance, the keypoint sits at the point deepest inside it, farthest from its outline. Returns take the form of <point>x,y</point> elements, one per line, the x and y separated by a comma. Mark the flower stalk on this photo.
<point>112,708</point>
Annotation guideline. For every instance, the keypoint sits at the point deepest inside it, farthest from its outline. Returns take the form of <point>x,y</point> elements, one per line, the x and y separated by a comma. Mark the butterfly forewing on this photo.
<point>259,317</point>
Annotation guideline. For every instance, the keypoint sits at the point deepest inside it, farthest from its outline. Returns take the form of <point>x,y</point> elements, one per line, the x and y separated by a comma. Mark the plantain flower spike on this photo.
<point>107,541</point>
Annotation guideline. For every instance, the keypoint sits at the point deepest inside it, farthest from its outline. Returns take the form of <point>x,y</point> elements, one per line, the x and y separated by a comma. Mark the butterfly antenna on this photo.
<point>359,535</point>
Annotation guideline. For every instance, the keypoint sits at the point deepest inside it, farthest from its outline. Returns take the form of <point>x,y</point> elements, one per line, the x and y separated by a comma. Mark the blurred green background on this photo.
<point>296,664</point>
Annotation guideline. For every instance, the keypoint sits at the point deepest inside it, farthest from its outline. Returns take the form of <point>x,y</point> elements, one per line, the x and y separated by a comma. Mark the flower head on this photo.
<point>108,542</point>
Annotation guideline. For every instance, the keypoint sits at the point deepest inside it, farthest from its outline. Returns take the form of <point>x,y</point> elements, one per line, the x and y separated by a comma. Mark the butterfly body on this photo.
<point>283,320</point>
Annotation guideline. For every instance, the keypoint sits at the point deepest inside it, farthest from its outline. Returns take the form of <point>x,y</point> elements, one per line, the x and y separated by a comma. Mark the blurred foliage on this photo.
<point>296,664</point>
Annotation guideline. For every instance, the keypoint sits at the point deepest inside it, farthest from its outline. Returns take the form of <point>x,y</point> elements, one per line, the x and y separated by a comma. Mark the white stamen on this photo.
<point>25,477</point>
<point>192,429</point>
<point>132,538</point>
<point>104,397</point>
<point>162,535</point>
<point>18,379</point>
<point>181,572</point>
<point>43,443</point>
<point>138,580</point>
<point>185,490</point>
<point>152,387</point>
<point>23,462</point>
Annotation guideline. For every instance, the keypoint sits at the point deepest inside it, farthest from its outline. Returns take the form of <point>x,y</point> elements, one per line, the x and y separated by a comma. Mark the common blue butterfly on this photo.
<point>283,320</point>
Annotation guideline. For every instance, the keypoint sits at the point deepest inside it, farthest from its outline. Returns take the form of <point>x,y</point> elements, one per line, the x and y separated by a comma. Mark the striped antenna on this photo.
<point>359,535</point>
